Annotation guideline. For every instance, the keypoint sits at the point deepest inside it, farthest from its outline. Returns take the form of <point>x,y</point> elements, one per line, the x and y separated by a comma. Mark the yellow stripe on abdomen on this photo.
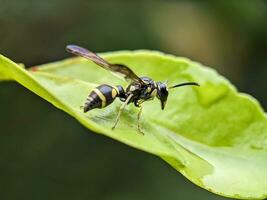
<point>101,96</point>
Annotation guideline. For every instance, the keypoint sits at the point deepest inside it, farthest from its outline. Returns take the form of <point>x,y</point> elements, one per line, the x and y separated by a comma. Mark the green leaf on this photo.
<point>213,135</point>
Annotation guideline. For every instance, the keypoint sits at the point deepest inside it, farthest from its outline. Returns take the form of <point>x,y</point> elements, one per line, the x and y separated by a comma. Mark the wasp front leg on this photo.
<point>138,119</point>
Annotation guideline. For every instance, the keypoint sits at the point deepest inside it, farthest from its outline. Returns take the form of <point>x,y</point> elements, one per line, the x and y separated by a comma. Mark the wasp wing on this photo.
<point>120,69</point>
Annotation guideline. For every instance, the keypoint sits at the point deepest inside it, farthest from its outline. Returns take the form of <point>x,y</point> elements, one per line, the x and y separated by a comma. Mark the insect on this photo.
<point>139,90</point>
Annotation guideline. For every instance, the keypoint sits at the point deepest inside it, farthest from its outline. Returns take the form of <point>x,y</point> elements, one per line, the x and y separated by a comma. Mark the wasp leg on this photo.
<point>121,109</point>
<point>138,120</point>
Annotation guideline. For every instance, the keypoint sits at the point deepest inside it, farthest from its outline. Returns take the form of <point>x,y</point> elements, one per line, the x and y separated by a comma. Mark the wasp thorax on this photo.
<point>162,93</point>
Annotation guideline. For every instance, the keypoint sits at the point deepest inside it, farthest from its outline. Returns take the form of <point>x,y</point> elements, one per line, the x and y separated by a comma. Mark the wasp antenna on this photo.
<point>183,84</point>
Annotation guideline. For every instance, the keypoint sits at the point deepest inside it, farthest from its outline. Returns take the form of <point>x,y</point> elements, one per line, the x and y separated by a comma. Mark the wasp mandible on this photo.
<point>139,90</point>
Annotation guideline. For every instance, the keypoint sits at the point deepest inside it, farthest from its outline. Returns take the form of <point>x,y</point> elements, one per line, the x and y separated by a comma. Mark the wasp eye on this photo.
<point>162,91</point>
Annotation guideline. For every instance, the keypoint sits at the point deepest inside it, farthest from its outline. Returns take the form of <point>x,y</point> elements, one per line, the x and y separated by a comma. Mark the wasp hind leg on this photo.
<point>121,109</point>
<point>138,120</point>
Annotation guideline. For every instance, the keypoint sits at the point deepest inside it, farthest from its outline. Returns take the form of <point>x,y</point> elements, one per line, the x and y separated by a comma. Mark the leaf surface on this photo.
<point>213,135</point>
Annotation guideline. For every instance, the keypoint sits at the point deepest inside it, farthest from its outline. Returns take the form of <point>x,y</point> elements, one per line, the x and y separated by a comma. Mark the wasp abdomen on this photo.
<point>100,97</point>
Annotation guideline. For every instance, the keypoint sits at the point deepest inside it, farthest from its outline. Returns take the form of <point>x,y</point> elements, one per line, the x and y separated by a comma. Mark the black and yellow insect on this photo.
<point>139,90</point>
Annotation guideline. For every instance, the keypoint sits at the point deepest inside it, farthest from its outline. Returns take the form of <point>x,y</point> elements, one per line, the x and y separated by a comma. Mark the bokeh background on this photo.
<point>45,154</point>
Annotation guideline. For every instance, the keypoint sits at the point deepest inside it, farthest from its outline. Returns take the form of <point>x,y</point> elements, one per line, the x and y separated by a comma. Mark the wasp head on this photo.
<point>162,93</point>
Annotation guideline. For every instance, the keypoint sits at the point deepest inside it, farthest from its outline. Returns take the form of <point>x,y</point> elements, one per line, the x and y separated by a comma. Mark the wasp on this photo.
<point>139,90</point>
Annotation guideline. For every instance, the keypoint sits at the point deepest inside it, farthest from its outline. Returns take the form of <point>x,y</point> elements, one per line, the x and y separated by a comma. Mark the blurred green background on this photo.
<point>45,154</point>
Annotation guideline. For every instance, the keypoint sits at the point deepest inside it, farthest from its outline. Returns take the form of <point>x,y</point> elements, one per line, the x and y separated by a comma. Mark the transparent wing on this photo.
<point>119,69</point>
